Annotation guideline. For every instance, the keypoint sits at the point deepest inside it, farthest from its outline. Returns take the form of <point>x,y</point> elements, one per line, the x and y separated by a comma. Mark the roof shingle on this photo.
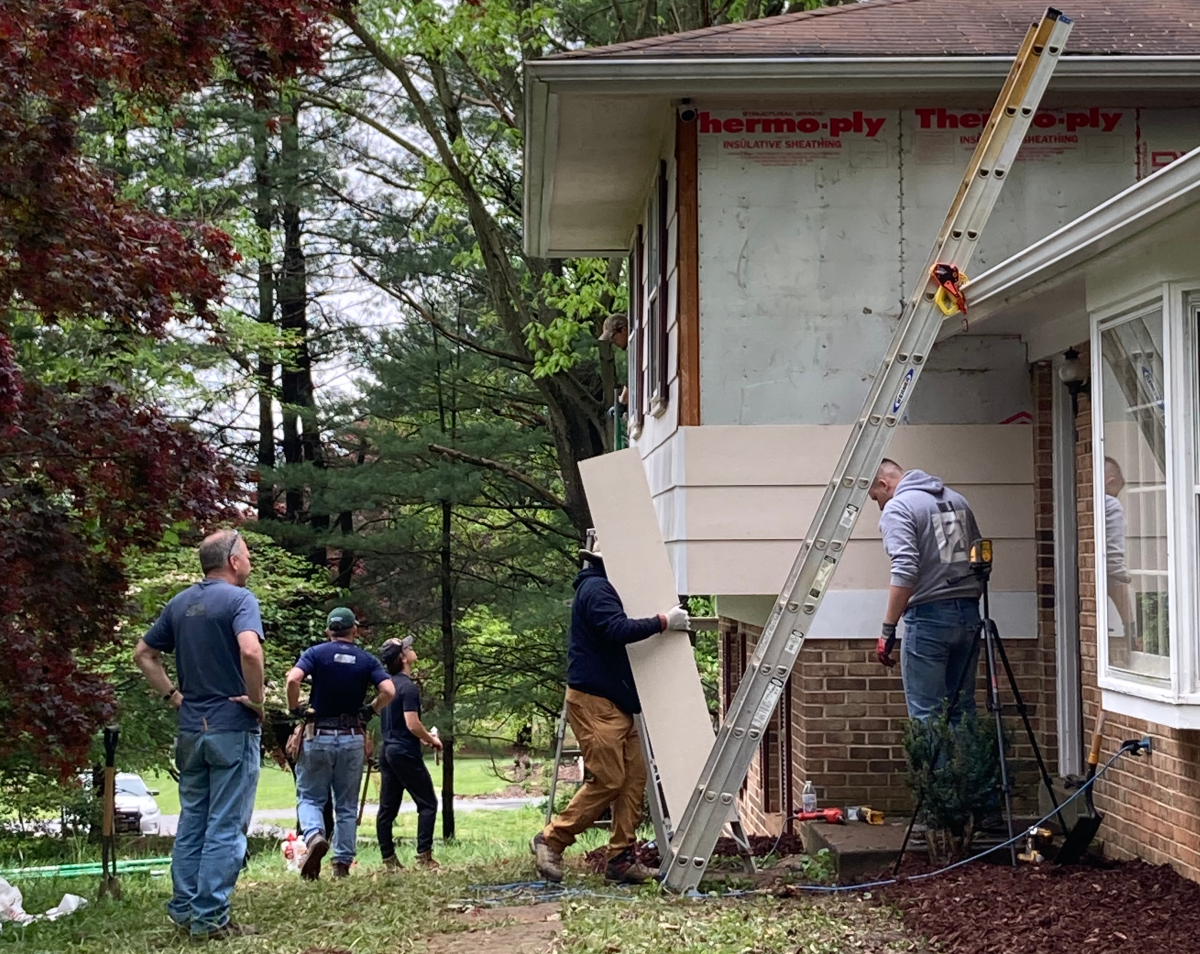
<point>930,28</point>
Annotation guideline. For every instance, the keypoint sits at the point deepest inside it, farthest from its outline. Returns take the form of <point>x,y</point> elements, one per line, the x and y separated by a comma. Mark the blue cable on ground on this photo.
<point>549,891</point>
<point>887,882</point>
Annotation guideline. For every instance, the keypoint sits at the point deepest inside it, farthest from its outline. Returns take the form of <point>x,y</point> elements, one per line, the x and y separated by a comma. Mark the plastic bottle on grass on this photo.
<point>808,798</point>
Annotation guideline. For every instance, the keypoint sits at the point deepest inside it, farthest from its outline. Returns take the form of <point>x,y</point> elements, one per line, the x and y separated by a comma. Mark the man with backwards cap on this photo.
<point>601,704</point>
<point>401,767</point>
<point>334,739</point>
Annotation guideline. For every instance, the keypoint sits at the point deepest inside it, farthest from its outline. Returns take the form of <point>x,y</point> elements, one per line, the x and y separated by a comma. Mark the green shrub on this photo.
<point>953,773</point>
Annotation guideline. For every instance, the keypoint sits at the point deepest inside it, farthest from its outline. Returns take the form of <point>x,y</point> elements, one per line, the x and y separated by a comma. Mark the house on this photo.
<point>776,186</point>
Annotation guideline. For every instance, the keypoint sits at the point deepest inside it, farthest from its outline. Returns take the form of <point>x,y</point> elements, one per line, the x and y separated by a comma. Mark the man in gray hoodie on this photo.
<point>927,531</point>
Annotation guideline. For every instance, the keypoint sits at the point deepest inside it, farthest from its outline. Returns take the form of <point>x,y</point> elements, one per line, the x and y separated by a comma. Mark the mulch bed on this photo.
<point>1095,909</point>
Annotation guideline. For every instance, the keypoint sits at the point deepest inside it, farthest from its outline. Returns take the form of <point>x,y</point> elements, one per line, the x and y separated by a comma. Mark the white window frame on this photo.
<point>1175,701</point>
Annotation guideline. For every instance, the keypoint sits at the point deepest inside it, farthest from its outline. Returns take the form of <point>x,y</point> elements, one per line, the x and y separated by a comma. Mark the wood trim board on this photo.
<point>687,201</point>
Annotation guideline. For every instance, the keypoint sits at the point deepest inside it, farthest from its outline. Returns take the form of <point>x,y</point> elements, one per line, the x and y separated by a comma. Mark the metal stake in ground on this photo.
<point>109,886</point>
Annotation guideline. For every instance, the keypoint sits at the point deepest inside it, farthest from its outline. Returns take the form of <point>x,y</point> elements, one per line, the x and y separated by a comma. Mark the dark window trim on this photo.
<point>637,323</point>
<point>658,290</point>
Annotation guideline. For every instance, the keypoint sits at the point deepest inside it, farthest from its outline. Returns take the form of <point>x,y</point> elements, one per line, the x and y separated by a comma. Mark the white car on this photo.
<point>133,796</point>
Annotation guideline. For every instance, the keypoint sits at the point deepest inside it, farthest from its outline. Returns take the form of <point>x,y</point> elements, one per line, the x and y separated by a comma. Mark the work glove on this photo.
<point>677,618</point>
<point>885,645</point>
<point>366,714</point>
<point>300,712</point>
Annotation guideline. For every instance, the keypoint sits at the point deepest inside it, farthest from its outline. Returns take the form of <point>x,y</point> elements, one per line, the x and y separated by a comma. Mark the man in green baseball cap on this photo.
<point>331,758</point>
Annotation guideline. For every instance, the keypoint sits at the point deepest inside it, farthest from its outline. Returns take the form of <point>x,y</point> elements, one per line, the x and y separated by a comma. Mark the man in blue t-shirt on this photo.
<point>400,763</point>
<point>335,738</point>
<point>215,632</point>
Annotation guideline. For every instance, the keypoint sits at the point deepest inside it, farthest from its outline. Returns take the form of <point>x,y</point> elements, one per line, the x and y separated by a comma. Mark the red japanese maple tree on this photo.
<point>85,473</point>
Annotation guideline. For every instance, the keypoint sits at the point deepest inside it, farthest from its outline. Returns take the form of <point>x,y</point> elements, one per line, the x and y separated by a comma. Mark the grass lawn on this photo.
<point>277,788</point>
<point>374,913</point>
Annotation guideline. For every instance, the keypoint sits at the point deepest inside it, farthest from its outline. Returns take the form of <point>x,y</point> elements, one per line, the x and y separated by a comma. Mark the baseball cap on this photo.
<point>392,649</point>
<point>341,620</point>
<point>613,324</point>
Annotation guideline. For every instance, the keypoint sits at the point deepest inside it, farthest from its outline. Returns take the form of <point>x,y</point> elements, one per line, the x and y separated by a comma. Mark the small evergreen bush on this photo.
<point>954,773</point>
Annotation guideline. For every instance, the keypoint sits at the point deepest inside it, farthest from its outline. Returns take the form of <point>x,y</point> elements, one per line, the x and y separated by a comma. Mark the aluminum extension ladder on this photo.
<point>825,541</point>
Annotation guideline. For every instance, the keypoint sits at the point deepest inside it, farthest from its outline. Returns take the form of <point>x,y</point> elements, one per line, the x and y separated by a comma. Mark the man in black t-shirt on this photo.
<point>400,763</point>
<point>333,751</point>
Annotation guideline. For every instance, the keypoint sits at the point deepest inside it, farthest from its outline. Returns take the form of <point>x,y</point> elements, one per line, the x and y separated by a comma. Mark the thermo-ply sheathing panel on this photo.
<point>664,666</point>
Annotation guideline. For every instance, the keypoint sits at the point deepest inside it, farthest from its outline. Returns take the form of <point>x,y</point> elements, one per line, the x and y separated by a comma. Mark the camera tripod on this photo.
<point>993,650</point>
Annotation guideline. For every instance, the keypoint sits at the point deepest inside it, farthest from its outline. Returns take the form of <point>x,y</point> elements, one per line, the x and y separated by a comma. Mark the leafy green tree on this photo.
<point>452,534</point>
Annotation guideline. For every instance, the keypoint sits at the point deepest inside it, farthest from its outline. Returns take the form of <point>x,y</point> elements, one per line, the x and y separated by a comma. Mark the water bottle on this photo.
<point>808,798</point>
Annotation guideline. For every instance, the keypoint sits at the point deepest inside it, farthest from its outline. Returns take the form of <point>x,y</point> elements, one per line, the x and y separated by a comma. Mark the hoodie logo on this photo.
<point>904,386</point>
<point>950,531</point>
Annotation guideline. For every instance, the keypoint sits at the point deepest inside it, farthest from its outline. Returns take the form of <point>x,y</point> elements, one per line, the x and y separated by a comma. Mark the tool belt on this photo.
<point>340,722</point>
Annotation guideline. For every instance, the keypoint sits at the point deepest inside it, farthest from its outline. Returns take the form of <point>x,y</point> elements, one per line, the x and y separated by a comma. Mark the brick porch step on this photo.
<point>859,850</point>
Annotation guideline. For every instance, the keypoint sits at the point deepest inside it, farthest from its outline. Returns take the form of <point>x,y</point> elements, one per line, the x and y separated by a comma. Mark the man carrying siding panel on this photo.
<point>601,703</point>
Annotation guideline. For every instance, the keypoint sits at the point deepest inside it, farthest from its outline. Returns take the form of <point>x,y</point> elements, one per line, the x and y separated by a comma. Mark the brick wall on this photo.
<point>847,728</point>
<point>1151,805</point>
<point>848,714</point>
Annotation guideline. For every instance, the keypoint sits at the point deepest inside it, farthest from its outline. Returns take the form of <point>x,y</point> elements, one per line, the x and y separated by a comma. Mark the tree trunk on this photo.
<point>300,439</point>
<point>263,218</point>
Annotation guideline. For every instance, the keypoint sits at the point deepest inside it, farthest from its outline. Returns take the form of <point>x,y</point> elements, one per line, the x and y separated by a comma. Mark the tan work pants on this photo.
<point>615,774</point>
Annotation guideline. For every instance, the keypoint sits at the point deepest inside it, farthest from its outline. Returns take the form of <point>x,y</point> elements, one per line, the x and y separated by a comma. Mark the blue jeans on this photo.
<point>218,777</point>
<point>331,762</point>
<point>940,651</point>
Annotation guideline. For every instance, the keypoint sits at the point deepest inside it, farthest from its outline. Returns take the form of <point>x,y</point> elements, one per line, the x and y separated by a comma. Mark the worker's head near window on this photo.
<point>1114,480</point>
<point>616,330</point>
<point>883,487</point>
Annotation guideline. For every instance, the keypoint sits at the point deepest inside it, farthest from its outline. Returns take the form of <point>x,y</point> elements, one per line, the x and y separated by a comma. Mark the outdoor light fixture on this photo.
<point>1073,373</point>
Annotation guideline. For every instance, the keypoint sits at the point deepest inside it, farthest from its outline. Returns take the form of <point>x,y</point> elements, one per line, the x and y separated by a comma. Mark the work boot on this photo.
<point>341,869</point>
<point>548,861</point>
<point>318,847</point>
<point>425,860</point>
<point>626,869</point>
<point>392,863</point>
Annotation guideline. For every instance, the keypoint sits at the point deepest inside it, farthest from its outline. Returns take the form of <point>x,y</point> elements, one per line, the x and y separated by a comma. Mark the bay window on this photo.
<point>1145,406</point>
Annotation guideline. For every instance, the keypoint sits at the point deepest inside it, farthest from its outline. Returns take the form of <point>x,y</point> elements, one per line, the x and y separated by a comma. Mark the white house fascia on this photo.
<point>1139,207</point>
<point>685,77</point>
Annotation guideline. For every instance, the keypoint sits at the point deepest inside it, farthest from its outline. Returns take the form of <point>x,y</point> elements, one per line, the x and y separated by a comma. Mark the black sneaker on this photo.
<point>341,869</point>
<point>318,847</point>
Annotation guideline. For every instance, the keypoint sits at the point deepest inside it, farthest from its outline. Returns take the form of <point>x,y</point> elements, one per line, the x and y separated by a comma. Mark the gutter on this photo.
<point>1155,198</point>
<point>695,76</point>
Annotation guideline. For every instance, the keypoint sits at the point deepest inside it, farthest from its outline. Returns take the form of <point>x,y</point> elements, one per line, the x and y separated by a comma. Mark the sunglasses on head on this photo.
<point>237,535</point>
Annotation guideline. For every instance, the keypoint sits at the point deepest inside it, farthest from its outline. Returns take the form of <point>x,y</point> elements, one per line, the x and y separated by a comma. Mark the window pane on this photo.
<point>1135,497</point>
<point>654,359</point>
<point>652,246</point>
